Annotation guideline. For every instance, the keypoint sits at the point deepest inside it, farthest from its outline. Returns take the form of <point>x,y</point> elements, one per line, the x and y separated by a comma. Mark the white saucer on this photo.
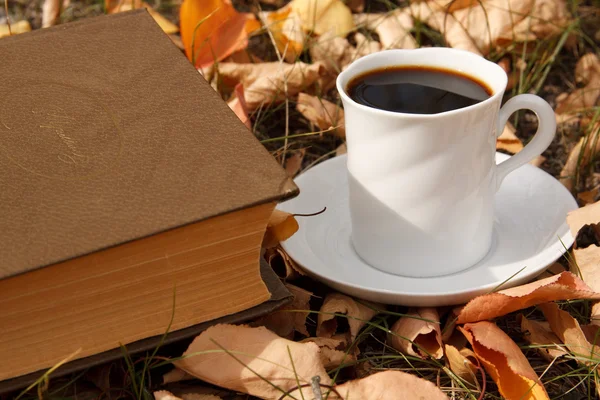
<point>530,233</point>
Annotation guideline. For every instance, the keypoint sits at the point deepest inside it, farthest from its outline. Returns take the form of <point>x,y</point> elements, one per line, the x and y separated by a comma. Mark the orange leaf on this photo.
<point>214,28</point>
<point>280,227</point>
<point>504,362</point>
<point>337,303</point>
<point>460,364</point>
<point>418,334</point>
<point>539,335</point>
<point>238,104</point>
<point>559,287</point>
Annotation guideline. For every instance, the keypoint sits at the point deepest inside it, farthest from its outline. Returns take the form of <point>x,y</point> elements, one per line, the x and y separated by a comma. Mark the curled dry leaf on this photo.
<point>393,28</point>
<point>358,314</point>
<point>559,287</point>
<point>286,27</point>
<point>282,264</point>
<point>324,16</point>
<point>323,113</point>
<point>280,227</point>
<point>587,72</point>
<point>418,333</point>
<point>333,352</point>
<point>115,6</point>
<point>508,140</point>
<point>214,28</point>
<point>15,28</point>
<point>387,385</point>
<point>267,83</point>
<point>238,104</point>
<point>294,163</point>
<point>569,332</point>
<point>288,318</point>
<point>504,362</point>
<point>542,339</point>
<point>460,363</point>
<point>280,361</point>
<point>583,152</point>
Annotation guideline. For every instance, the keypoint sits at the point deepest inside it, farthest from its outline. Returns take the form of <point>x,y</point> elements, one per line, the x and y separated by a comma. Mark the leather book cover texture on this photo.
<point>108,134</point>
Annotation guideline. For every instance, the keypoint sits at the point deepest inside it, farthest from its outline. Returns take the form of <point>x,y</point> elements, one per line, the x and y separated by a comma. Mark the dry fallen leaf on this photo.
<point>357,314</point>
<point>356,6</point>
<point>176,375</point>
<point>559,287</point>
<point>388,385</point>
<point>418,333</point>
<point>286,27</point>
<point>580,155</point>
<point>267,83</point>
<point>324,16</point>
<point>504,362</point>
<point>294,163</point>
<point>342,149</point>
<point>393,28</point>
<point>323,113</point>
<point>258,350</point>
<point>589,196</point>
<point>214,28</point>
<point>587,72</point>
<point>115,6</point>
<point>287,319</point>
<point>332,351</point>
<point>540,336</point>
<point>508,140</point>
<point>166,395</point>
<point>238,104</point>
<point>15,28</point>
<point>50,12</point>
<point>280,227</point>
<point>332,51</point>
<point>282,264</point>
<point>460,363</point>
<point>589,214</point>
<point>569,332</point>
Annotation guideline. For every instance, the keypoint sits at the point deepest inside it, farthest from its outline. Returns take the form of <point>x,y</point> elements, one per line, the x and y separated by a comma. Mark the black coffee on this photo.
<point>417,90</point>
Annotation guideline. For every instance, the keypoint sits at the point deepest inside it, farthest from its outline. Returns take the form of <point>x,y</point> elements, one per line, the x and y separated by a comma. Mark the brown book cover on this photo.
<point>110,137</point>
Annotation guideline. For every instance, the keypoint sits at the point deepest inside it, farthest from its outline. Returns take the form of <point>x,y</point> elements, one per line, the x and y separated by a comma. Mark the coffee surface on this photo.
<point>416,90</point>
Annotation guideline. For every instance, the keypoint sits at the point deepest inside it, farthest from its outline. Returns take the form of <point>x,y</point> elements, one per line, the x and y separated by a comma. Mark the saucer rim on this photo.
<point>559,246</point>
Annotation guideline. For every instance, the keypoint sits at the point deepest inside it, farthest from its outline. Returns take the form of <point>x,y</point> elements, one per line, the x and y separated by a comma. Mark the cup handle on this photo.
<point>541,140</point>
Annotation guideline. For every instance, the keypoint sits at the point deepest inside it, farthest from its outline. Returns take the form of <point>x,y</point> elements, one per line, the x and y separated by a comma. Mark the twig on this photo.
<point>7,18</point>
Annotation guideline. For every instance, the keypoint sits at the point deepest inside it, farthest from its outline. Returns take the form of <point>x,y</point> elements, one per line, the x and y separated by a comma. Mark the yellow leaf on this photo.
<point>286,27</point>
<point>460,364</point>
<point>280,227</point>
<point>15,28</point>
<point>321,16</point>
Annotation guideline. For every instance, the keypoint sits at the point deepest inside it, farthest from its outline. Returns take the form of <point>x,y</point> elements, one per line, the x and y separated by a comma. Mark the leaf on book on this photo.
<point>240,357</point>
<point>559,287</point>
<point>504,362</point>
<point>569,332</point>
<point>587,73</point>
<point>322,113</point>
<point>212,30</point>
<point>115,6</point>
<point>539,335</point>
<point>280,227</point>
<point>508,140</point>
<point>393,28</point>
<point>354,314</point>
<point>581,155</point>
<point>418,333</point>
<point>333,352</point>
<point>461,364</point>
<point>289,318</point>
<point>238,104</point>
<point>15,28</point>
<point>323,16</point>
<point>285,26</point>
<point>387,385</point>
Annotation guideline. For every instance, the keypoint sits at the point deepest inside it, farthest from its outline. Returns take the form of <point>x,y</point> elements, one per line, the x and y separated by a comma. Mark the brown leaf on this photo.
<point>460,363</point>
<point>285,26</point>
<point>50,12</point>
<point>568,330</point>
<point>589,214</point>
<point>261,351</point>
<point>165,395</point>
<point>356,6</point>
<point>238,104</point>
<point>115,6</point>
<point>294,163</point>
<point>559,287</point>
<point>418,333</point>
<point>592,333</point>
<point>287,319</point>
<point>266,83</point>
<point>322,113</point>
<point>587,71</point>
<point>589,196</point>
<point>504,362</point>
<point>393,28</point>
<point>387,385</point>
<point>508,140</point>
<point>580,156</point>
<point>176,375</point>
<point>332,51</point>
<point>282,264</point>
<point>540,336</point>
<point>332,353</point>
<point>358,314</point>
<point>342,149</point>
<point>324,16</point>
<point>280,227</point>
<point>15,28</point>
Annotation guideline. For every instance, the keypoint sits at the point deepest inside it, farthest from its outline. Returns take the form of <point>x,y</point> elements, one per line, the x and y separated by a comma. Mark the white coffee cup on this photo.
<point>421,186</point>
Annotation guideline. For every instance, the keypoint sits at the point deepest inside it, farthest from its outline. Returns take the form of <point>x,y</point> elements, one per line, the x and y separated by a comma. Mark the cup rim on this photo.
<point>349,73</point>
